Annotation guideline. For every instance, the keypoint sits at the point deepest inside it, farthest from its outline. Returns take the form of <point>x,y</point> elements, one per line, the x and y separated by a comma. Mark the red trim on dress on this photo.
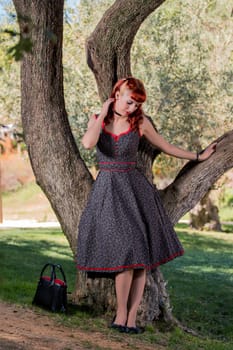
<point>117,162</point>
<point>93,269</point>
<point>115,136</point>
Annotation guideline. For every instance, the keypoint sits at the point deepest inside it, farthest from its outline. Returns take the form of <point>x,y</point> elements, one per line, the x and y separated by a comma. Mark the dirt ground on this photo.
<point>27,329</point>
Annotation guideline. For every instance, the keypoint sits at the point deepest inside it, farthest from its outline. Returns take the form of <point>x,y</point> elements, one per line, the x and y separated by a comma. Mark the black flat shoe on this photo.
<point>118,327</point>
<point>134,330</point>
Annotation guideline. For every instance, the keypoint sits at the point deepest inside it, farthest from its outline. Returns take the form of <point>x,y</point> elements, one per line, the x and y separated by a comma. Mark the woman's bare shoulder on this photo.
<point>146,124</point>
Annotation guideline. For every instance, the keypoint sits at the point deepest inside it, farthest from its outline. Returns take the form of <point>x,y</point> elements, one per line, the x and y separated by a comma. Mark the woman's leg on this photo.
<point>123,282</point>
<point>135,296</point>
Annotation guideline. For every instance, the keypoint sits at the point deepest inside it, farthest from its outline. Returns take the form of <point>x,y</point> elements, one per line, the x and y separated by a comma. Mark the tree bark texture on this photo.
<point>54,155</point>
<point>55,158</point>
<point>195,179</point>
<point>108,47</point>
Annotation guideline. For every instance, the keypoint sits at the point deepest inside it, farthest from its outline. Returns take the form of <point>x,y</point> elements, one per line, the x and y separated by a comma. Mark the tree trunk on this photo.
<point>205,215</point>
<point>58,167</point>
<point>55,158</point>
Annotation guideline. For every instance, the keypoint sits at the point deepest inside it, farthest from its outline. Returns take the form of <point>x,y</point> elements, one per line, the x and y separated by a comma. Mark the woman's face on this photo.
<point>124,103</point>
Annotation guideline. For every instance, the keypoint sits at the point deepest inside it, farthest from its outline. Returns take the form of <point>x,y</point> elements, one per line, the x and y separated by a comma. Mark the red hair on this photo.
<point>138,94</point>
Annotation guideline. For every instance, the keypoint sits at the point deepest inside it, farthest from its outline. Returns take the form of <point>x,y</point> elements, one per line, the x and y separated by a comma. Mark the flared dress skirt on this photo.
<point>124,225</point>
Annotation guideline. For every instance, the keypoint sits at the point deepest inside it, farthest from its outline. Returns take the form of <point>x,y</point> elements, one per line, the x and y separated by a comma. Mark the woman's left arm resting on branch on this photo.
<point>157,140</point>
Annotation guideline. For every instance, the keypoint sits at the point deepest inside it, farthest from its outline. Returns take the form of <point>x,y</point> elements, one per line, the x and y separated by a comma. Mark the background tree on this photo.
<point>176,53</point>
<point>10,81</point>
<point>55,158</point>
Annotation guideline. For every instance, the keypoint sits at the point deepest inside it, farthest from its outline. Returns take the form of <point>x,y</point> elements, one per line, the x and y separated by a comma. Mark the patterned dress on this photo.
<point>124,225</point>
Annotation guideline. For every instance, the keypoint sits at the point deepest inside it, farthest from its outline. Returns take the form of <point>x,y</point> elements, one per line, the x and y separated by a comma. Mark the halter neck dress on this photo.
<point>124,224</point>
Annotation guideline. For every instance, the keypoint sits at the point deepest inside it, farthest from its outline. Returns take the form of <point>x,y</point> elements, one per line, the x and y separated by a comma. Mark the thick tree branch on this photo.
<point>108,47</point>
<point>195,179</point>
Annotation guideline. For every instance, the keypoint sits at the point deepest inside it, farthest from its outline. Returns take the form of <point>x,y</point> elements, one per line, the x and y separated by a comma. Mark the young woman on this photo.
<point>124,230</point>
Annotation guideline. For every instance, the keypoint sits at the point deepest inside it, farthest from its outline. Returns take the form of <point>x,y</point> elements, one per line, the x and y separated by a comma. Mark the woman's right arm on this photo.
<point>91,136</point>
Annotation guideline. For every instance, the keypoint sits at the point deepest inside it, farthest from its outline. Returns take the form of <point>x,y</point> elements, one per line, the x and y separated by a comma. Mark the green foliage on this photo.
<point>21,43</point>
<point>173,54</point>
<point>23,46</point>
<point>226,206</point>
<point>227,197</point>
<point>10,77</point>
<point>183,53</point>
<point>24,43</point>
<point>81,93</point>
<point>176,52</point>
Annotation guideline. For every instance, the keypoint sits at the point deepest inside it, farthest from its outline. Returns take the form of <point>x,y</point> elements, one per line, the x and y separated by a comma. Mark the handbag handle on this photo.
<point>61,270</point>
<point>53,273</point>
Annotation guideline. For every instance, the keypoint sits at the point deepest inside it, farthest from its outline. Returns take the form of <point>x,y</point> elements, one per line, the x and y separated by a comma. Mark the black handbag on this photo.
<point>51,292</point>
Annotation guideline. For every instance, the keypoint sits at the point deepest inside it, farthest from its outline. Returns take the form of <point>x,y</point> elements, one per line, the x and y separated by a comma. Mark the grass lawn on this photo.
<point>23,253</point>
<point>200,284</point>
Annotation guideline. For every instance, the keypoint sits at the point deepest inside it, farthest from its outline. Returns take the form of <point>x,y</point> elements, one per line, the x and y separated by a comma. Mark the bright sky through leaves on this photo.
<point>3,3</point>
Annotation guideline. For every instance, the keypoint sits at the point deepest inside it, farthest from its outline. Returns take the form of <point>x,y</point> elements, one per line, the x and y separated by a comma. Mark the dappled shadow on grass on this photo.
<point>205,240</point>
<point>75,309</point>
<point>227,228</point>
<point>23,253</point>
<point>201,285</point>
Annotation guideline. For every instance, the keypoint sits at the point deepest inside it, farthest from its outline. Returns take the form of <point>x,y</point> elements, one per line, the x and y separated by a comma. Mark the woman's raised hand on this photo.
<point>105,107</point>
